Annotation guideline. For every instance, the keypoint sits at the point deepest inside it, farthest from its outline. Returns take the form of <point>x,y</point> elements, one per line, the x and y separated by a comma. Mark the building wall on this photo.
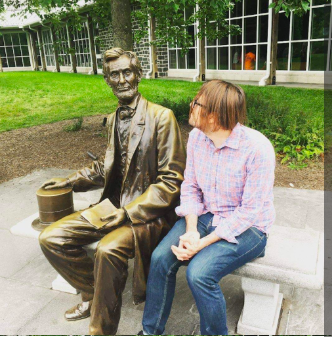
<point>142,50</point>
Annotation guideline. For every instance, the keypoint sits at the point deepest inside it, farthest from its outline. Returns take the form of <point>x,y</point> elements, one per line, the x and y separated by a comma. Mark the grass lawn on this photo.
<point>34,98</point>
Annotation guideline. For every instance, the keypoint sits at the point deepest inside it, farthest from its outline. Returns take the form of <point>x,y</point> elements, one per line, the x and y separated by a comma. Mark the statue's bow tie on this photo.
<point>126,112</point>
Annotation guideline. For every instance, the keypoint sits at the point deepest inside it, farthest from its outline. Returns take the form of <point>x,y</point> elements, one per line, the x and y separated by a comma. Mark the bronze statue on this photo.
<point>141,175</point>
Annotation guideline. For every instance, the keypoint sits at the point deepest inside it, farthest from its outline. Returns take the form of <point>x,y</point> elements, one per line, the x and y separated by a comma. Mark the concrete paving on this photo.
<point>28,306</point>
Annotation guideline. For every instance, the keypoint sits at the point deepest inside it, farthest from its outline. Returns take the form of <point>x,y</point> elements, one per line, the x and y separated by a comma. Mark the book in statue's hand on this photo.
<point>94,213</point>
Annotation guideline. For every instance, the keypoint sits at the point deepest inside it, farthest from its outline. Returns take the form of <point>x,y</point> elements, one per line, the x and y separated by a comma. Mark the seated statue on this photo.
<point>141,175</point>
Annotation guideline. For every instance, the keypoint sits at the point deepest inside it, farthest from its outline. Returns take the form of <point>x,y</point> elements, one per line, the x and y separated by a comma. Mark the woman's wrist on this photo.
<point>208,240</point>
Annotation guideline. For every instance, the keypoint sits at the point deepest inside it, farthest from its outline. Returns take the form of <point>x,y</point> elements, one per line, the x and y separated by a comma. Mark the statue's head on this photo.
<point>122,72</point>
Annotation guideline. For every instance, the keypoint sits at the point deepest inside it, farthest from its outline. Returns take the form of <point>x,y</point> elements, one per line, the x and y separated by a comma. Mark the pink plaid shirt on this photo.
<point>233,182</point>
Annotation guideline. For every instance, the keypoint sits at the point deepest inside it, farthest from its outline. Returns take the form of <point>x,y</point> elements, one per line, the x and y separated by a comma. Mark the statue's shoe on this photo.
<point>79,311</point>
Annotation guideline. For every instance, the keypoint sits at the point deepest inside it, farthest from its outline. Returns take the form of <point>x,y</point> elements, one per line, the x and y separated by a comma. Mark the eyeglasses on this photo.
<point>194,103</point>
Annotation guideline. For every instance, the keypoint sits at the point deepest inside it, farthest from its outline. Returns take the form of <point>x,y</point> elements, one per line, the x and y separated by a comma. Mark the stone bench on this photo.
<point>293,256</point>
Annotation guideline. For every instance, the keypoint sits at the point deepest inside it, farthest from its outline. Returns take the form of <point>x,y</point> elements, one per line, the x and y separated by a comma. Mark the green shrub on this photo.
<point>296,137</point>
<point>180,108</point>
<point>75,126</point>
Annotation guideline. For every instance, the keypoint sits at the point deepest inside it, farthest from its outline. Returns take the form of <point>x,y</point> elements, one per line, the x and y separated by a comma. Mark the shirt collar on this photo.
<point>131,108</point>
<point>233,140</point>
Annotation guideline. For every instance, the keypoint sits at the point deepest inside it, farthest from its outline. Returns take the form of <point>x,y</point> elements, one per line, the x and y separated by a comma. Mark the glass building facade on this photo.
<point>304,43</point>
<point>178,60</point>
<point>14,50</point>
<point>82,46</point>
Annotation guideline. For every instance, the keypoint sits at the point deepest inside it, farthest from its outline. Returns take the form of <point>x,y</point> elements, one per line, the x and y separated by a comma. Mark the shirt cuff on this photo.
<point>189,208</point>
<point>224,232</point>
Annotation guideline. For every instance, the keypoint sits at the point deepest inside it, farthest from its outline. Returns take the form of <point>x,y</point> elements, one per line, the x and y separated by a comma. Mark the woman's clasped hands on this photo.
<point>189,245</point>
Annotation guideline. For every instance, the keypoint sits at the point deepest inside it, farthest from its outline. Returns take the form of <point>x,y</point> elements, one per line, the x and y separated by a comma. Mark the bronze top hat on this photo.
<point>53,205</point>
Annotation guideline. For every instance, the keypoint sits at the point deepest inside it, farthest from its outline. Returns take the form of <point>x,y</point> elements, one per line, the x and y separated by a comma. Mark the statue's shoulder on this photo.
<point>157,110</point>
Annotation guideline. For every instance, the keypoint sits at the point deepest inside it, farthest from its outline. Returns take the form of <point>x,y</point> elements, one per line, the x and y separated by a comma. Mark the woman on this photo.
<point>226,209</point>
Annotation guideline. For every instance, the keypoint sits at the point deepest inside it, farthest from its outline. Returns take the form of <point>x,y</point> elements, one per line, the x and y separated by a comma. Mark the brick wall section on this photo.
<point>162,61</point>
<point>142,50</point>
<point>106,38</point>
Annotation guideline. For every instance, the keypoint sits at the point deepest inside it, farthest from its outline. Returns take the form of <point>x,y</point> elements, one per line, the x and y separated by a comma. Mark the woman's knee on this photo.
<point>197,277</point>
<point>44,237</point>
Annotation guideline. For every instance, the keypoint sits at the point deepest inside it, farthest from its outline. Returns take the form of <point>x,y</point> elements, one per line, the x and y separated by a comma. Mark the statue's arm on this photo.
<point>88,178</point>
<point>164,194</point>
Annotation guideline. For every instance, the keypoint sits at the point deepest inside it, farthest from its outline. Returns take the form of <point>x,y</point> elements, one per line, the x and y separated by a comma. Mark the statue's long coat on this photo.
<point>151,185</point>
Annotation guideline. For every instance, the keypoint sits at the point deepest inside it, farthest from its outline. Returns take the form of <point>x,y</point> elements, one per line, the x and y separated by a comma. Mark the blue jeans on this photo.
<point>204,272</point>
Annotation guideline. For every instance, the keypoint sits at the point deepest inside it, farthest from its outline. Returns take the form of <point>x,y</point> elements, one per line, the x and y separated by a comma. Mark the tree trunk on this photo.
<point>72,49</point>
<point>153,48</point>
<point>34,51</point>
<point>201,51</point>
<point>92,46</point>
<point>42,53</point>
<point>56,53</point>
<point>121,24</point>
<point>1,70</point>
<point>274,48</point>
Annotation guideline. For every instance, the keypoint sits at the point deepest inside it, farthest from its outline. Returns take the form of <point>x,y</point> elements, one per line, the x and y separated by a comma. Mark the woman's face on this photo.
<point>196,116</point>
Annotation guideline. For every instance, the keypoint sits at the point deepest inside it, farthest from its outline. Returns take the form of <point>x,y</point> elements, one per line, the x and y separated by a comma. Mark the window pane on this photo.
<point>299,56</point>
<point>26,61</point>
<point>1,41</point>
<point>2,52</point>
<point>250,26</point>
<point>16,40</point>
<point>11,62</point>
<point>223,58</point>
<point>8,40</point>
<point>236,58</point>
<point>189,11</point>
<point>9,51</point>
<point>300,27</point>
<point>211,58</point>
<point>283,27</point>
<point>263,28</point>
<point>282,56</point>
<point>320,22</point>
<point>250,58</point>
<point>237,11</point>
<point>236,39</point>
<point>19,62</point>
<point>318,55</point>
<point>213,42</point>
<point>250,7</point>
<point>319,2</point>
<point>223,41</point>
<point>263,6</point>
<point>262,52</point>
<point>181,60</point>
<point>17,51</point>
<point>191,32</point>
<point>4,63</point>
<point>191,61</point>
<point>25,51</point>
<point>23,39</point>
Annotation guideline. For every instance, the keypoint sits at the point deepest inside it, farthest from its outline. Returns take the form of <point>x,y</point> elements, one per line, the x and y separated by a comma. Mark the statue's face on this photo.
<point>123,78</point>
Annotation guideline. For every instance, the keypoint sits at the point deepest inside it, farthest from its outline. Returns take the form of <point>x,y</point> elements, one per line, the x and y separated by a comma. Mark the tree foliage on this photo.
<point>299,7</point>
<point>174,17</point>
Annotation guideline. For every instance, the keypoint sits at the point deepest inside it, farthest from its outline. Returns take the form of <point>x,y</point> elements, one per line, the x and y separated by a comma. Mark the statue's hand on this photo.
<point>115,218</point>
<point>56,183</point>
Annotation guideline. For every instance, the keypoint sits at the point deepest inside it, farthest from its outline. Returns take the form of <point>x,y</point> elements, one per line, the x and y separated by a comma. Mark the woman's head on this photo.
<point>218,104</point>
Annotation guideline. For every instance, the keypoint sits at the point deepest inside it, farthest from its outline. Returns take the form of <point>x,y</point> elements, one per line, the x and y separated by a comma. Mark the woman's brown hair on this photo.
<point>225,101</point>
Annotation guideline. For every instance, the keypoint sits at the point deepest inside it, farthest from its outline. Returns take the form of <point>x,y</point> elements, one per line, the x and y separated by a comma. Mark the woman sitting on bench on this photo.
<point>226,209</point>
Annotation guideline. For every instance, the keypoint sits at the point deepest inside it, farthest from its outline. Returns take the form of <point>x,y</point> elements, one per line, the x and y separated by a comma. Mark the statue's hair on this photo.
<point>114,53</point>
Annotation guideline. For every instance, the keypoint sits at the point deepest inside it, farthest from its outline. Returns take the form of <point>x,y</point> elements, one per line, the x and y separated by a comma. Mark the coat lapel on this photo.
<point>136,132</point>
<point>109,157</point>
